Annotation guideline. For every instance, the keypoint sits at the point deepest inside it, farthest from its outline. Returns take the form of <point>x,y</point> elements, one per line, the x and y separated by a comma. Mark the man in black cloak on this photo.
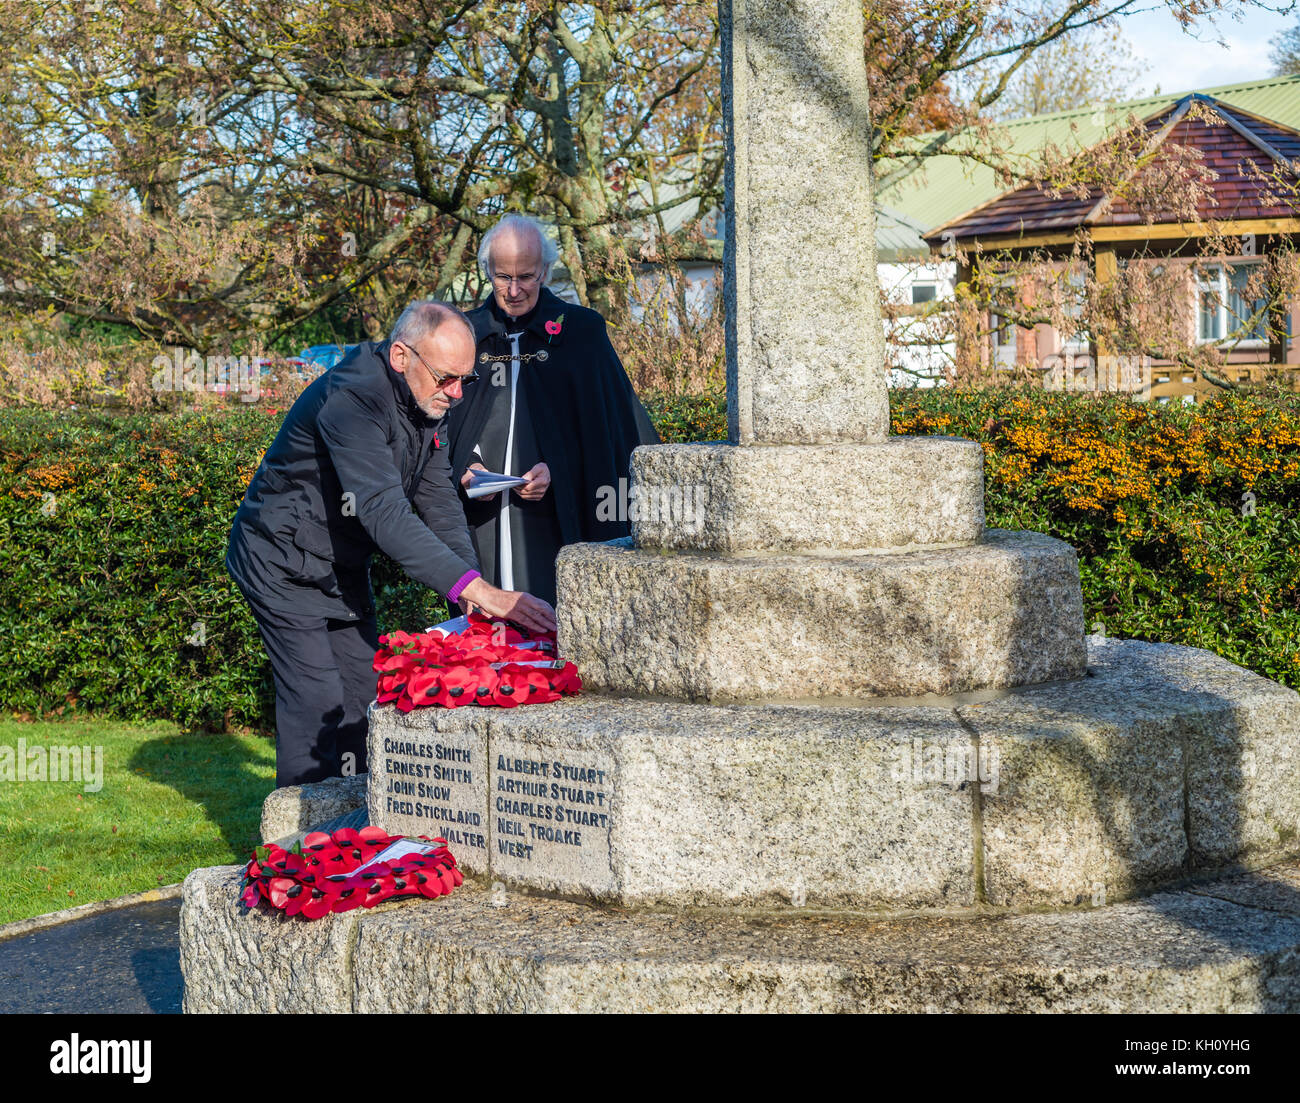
<point>554,407</point>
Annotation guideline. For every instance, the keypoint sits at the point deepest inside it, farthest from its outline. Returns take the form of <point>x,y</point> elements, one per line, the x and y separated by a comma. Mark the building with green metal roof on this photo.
<point>937,189</point>
<point>1000,218</point>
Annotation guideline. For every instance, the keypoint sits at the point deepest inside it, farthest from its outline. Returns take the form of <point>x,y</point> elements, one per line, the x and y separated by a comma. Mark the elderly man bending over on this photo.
<point>362,448</point>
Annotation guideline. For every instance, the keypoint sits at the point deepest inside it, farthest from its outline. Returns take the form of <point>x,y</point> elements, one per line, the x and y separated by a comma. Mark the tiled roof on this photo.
<point>937,189</point>
<point>1228,142</point>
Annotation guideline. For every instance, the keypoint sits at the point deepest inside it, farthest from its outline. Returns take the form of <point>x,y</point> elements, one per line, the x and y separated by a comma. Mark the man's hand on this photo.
<point>539,481</point>
<point>512,605</point>
<point>468,478</point>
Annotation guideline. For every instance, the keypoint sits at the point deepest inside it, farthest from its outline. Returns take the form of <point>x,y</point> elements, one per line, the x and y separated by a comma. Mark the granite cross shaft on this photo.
<point>805,348</point>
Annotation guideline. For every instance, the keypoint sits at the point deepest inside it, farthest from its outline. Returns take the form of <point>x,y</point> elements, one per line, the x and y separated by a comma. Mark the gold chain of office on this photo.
<point>541,356</point>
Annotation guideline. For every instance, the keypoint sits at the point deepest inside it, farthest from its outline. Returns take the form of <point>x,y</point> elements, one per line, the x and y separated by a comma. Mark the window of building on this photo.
<point>1004,342</point>
<point>924,292</point>
<point>1225,313</point>
<point>1079,341</point>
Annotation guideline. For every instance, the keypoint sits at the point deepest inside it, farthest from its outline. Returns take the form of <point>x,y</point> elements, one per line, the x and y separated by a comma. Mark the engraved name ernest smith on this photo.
<point>555,799</point>
<point>427,772</point>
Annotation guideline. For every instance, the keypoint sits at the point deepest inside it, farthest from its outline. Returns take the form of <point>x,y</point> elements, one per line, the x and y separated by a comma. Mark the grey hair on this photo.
<point>518,225</point>
<point>422,318</point>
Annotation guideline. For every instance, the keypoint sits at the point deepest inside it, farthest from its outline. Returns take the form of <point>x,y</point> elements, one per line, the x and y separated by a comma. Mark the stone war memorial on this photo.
<point>840,747</point>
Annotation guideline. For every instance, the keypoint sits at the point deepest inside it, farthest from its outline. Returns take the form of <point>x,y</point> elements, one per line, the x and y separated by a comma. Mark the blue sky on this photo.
<point>1178,62</point>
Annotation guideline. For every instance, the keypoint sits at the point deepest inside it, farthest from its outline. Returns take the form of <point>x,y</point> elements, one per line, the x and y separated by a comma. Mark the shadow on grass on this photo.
<point>223,774</point>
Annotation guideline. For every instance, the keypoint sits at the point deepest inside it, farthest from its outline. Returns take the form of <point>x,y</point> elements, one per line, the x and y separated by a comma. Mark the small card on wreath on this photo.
<point>404,847</point>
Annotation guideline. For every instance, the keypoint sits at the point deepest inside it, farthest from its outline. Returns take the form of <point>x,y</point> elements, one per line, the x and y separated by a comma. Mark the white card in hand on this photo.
<point>489,482</point>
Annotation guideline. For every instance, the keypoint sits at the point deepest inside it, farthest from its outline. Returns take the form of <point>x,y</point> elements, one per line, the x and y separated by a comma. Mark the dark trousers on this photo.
<point>324,683</point>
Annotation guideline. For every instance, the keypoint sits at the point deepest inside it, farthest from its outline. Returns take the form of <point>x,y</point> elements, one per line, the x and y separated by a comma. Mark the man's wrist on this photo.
<point>454,594</point>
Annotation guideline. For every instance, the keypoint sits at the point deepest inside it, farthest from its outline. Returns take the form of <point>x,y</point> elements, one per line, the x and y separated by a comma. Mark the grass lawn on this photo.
<point>170,801</point>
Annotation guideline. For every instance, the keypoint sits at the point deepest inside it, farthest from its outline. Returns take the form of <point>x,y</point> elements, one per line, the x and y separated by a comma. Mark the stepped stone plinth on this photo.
<point>1227,946</point>
<point>899,494</point>
<point>1002,612</point>
<point>1109,785</point>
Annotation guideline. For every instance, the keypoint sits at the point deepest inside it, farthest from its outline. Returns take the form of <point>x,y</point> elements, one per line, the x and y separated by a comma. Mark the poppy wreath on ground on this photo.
<point>489,664</point>
<point>323,873</point>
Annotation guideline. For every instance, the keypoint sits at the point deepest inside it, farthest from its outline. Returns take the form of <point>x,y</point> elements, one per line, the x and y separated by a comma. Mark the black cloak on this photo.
<point>576,411</point>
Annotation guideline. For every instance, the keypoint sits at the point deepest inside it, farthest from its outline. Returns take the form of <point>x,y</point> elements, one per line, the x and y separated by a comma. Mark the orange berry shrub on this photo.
<point>1186,518</point>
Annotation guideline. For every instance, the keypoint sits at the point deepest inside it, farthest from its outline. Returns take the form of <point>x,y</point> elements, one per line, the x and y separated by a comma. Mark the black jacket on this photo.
<point>586,415</point>
<point>353,456</point>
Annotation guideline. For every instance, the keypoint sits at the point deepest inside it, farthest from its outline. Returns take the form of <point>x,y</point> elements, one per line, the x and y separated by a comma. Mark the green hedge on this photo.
<point>684,418</point>
<point>114,598</point>
<point>113,593</point>
<point>1186,518</point>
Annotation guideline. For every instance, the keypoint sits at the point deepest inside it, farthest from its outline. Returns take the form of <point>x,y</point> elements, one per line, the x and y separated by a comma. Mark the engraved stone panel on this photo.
<point>429,776</point>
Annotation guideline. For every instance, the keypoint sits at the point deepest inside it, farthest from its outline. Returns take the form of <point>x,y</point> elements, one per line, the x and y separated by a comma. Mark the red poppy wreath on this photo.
<point>487,664</point>
<point>348,869</point>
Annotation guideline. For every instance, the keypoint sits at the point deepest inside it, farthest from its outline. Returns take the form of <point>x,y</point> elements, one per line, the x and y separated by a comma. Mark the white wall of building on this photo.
<point>905,283</point>
<point>915,284</point>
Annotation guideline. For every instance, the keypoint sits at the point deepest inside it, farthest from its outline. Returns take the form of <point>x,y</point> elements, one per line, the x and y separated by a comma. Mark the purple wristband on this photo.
<point>453,595</point>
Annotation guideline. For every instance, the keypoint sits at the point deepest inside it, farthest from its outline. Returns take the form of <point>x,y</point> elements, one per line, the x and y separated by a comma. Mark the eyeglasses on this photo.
<point>503,282</point>
<point>442,381</point>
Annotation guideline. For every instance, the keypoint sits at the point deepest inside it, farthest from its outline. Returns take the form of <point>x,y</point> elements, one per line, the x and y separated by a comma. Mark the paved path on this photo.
<point>125,961</point>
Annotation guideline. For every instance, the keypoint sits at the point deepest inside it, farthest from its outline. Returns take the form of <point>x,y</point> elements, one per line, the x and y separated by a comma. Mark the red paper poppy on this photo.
<point>332,860</point>
<point>389,689</point>
<point>286,865</point>
<point>565,680</point>
<point>316,841</point>
<point>335,884</point>
<point>388,661</point>
<point>350,897</point>
<point>346,838</point>
<point>529,655</point>
<point>278,890</point>
<point>458,686</point>
<point>377,892</point>
<point>485,681</point>
<point>398,641</point>
<point>429,883</point>
<point>299,895</point>
<point>539,685</point>
<point>511,689</point>
<point>319,904</point>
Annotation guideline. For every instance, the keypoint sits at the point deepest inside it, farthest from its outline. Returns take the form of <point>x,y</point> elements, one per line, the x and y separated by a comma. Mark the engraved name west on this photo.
<point>546,801</point>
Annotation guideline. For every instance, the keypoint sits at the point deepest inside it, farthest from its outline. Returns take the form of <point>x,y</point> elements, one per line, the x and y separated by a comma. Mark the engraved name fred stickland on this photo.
<point>548,802</point>
<point>426,775</point>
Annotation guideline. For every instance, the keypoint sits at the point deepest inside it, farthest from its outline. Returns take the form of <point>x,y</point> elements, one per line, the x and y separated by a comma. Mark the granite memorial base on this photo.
<point>1161,763</point>
<point>1232,945</point>
<point>634,855</point>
